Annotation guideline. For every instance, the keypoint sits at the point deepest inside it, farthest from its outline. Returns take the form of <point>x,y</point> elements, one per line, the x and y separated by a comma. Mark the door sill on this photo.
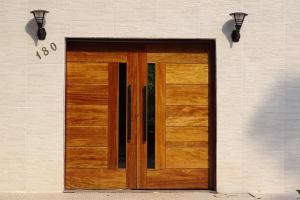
<point>137,191</point>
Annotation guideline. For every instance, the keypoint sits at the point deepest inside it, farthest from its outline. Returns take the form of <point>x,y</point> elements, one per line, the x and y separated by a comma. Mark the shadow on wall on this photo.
<point>271,151</point>
<point>31,28</point>
<point>227,30</point>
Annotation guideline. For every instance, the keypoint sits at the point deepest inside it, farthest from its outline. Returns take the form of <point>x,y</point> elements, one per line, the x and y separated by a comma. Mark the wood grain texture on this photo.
<point>174,57</point>
<point>187,133</point>
<point>160,120</point>
<point>95,179</point>
<point>187,73</point>
<point>87,73</point>
<point>131,151</point>
<point>91,94</point>
<point>187,157</point>
<point>87,115</point>
<point>185,126</point>
<point>185,144</point>
<point>177,179</point>
<point>141,147</point>
<point>96,56</point>
<point>113,115</point>
<point>186,116</point>
<point>86,157</point>
<point>86,136</point>
<point>92,119</point>
<point>187,95</point>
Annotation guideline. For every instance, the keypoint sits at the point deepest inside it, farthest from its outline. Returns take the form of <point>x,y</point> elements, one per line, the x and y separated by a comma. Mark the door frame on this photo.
<point>212,92</point>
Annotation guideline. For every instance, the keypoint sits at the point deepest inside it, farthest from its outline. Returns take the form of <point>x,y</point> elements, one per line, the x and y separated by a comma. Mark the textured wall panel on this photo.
<point>258,88</point>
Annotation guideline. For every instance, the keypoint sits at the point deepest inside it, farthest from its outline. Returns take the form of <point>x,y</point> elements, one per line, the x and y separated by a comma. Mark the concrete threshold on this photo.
<point>142,195</point>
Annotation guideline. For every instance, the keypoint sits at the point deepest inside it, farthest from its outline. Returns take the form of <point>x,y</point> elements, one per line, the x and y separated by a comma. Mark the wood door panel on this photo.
<point>187,134</point>
<point>87,94</point>
<point>177,58</point>
<point>186,116</point>
<point>187,95</point>
<point>177,179</point>
<point>92,117</point>
<point>86,136</point>
<point>95,179</point>
<point>160,112</point>
<point>187,157</point>
<point>97,56</point>
<point>141,147</point>
<point>186,144</point>
<point>183,113</point>
<point>87,115</point>
<point>86,157</point>
<point>87,73</point>
<point>186,74</point>
<point>186,111</point>
<point>131,146</point>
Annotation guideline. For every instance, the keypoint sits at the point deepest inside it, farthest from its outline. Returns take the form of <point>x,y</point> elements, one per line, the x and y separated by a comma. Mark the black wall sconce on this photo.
<point>239,19</point>
<point>39,16</point>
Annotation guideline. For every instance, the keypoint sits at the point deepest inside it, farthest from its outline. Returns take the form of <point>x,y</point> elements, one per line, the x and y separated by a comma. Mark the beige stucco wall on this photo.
<point>258,84</point>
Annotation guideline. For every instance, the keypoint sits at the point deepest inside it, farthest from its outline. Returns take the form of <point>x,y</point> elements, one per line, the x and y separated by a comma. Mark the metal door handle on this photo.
<point>144,93</point>
<point>129,114</point>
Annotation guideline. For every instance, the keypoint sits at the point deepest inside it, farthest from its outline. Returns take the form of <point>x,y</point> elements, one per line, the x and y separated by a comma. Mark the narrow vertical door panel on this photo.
<point>160,112</point>
<point>131,145</point>
<point>141,146</point>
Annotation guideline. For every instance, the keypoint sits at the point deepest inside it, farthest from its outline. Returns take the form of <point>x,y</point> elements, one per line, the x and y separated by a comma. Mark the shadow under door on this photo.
<point>140,114</point>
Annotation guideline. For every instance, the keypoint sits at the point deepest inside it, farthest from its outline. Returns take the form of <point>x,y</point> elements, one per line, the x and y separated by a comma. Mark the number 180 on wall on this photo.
<point>46,51</point>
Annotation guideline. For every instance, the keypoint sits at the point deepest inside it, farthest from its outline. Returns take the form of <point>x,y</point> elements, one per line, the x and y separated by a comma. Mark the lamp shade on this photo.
<point>239,19</point>
<point>39,16</point>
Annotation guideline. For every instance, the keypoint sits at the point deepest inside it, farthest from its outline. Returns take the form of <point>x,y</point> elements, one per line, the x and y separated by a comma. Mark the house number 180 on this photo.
<point>44,51</point>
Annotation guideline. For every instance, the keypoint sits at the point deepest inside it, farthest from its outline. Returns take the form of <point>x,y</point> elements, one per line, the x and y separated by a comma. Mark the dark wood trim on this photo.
<point>212,118</point>
<point>113,128</point>
<point>124,45</point>
<point>65,123</point>
<point>141,40</point>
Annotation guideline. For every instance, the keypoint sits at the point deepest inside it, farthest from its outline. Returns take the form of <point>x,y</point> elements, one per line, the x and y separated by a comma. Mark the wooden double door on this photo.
<point>140,115</point>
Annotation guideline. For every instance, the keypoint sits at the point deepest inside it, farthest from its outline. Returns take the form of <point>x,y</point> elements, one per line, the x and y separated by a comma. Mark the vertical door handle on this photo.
<point>129,114</point>
<point>144,93</point>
